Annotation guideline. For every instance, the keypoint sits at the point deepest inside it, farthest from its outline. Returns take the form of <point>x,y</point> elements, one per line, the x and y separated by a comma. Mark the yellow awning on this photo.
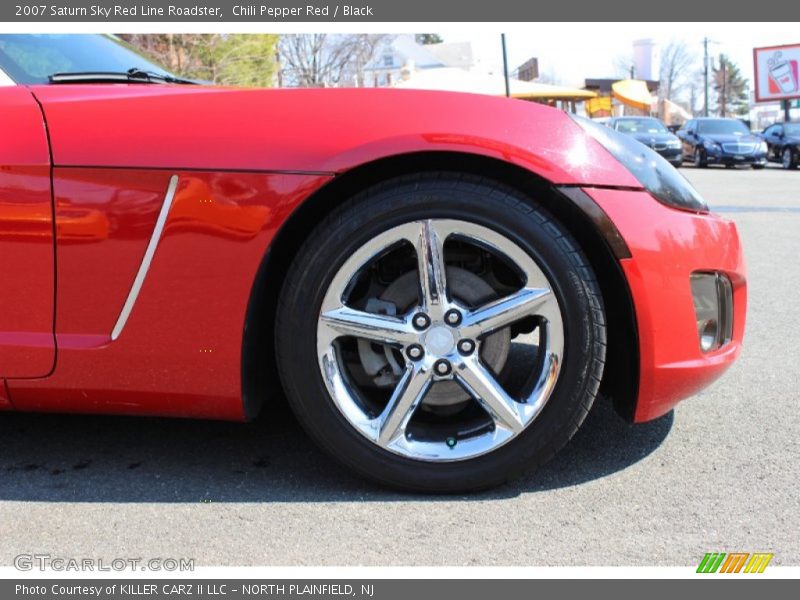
<point>599,106</point>
<point>528,90</point>
<point>632,92</point>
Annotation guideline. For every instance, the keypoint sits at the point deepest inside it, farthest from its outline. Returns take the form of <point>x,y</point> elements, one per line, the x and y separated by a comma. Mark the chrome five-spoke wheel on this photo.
<point>436,354</point>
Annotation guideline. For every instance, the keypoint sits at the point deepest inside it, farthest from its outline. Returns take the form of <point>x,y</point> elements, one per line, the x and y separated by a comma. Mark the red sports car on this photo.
<point>441,284</point>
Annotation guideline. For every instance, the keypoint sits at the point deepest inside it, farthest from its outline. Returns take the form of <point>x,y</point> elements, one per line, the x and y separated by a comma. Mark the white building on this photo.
<point>401,55</point>
<point>646,59</point>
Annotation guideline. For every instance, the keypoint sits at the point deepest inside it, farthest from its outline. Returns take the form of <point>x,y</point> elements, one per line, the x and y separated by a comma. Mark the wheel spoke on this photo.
<point>430,263</point>
<point>410,391</point>
<point>369,326</point>
<point>483,386</point>
<point>505,311</point>
<point>438,318</point>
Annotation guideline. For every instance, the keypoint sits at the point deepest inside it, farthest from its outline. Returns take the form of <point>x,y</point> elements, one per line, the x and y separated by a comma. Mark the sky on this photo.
<point>575,51</point>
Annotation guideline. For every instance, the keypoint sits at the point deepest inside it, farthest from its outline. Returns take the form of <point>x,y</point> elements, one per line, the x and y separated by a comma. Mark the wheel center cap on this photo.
<point>439,340</point>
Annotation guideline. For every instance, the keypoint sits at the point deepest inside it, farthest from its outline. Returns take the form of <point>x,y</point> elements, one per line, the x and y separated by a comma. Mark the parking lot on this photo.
<point>720,473</point>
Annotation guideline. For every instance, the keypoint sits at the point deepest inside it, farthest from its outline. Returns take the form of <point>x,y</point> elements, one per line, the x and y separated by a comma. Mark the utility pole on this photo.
<point>505,64</point>
<point>705,76</point>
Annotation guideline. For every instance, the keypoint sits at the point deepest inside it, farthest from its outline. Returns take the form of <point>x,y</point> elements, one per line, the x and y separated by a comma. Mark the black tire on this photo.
<point>441,195</point>
<point>700,159</point>
<point>791,163</point>
<point>758,167</point>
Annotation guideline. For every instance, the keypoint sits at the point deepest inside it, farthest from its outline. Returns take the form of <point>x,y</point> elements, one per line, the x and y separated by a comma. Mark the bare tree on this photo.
<point>677,68</point>
<point>694,95</point>
<point>180,54</point>
<point>326,60</point>
<point>550,76</point>
<point>624,66</point>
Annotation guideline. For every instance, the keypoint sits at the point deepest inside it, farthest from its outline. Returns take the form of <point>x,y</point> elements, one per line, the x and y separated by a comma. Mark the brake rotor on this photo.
<point>398,298</point>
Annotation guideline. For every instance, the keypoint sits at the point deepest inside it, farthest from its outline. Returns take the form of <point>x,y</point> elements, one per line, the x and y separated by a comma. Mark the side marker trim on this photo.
<point>148,258</point>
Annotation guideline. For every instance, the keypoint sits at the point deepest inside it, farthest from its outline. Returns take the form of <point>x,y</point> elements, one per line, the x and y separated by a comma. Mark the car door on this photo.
<point>767,135</point>
<point>685,135</point>
<point>775,142</point>
<point>27,264</point>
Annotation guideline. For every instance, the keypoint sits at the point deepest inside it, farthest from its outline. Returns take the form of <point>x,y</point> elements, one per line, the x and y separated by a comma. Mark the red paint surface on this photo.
<point>5,399</point>
<point>180,351</point>
<point>27,346</point>
<point>329,130</point>
<point>667,245</point>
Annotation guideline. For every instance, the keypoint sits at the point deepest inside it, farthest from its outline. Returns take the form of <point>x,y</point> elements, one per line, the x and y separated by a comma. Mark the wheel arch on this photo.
<point>260,380</point>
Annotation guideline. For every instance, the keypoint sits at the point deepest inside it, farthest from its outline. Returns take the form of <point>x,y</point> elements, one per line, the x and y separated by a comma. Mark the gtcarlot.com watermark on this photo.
<point>47,562</point>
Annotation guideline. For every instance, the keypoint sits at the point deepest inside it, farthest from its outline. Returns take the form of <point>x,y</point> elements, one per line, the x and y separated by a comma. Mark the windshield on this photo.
<point>640,126</point>
<point>792,129</point>
<point>30,59</point>
<point>723,126</point>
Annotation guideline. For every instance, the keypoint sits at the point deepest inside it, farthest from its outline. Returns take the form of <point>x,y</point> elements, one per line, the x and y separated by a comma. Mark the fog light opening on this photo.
<point>713,304</point>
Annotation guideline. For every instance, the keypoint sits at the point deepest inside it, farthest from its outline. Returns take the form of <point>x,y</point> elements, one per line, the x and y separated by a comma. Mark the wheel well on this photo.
<point>260,378</point>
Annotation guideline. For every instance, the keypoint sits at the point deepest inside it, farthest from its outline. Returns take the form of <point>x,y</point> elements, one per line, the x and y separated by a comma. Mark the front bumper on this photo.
<point>725,158</point>
<point>673,155</point>
<point>666,247</point>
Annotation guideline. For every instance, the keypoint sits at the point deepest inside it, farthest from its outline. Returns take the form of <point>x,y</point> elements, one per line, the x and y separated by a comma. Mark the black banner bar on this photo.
<point>389,589</point>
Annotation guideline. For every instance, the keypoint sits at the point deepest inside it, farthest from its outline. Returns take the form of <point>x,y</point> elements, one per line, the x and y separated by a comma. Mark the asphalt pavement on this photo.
<point>719,473</point>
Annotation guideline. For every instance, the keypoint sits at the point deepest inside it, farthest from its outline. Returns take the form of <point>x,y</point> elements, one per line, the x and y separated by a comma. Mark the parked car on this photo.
<point>652,133</point>
<point>728,142</point>
<point>441,296</point>
<point>783,144</point>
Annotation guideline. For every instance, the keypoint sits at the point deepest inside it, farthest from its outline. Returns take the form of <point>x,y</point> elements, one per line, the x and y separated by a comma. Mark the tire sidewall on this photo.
<point>791,163</point>
<point>390,205</point>
<point>699,160</point>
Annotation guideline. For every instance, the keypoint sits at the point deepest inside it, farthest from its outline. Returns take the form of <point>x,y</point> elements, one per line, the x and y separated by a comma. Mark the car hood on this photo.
<point>650,138</point>
<point>721,138</point>
<point>324,131</point>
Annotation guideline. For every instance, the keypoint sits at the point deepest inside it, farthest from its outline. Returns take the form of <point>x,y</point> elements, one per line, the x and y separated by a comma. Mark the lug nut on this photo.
<point>452,317</point>
<point>466,347</point>
<point>442,367</point>
<point>421,321</point>
<point>415,352</point>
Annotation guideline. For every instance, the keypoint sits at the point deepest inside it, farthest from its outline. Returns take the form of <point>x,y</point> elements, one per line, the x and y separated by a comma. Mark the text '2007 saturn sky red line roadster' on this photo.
<point>441,284</point>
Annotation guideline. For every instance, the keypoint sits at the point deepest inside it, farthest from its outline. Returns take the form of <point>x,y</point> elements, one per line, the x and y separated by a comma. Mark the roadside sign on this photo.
<point>777,72</point>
